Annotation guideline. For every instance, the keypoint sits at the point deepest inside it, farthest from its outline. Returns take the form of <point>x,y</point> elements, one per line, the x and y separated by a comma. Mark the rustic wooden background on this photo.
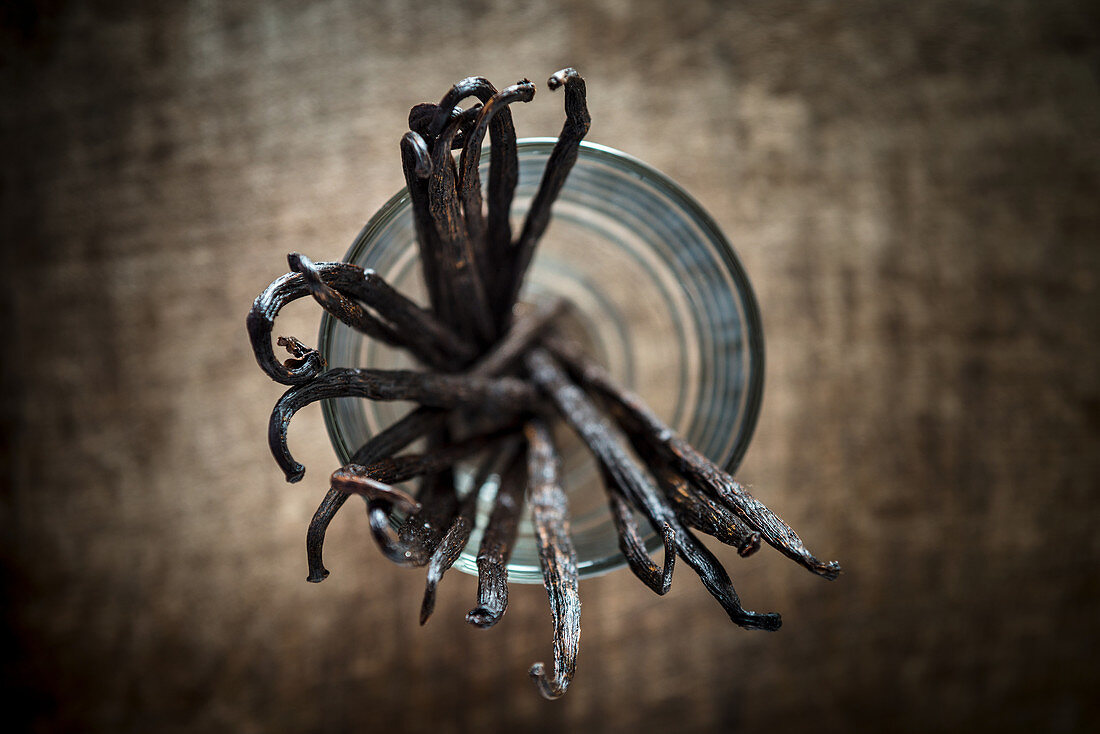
<point>914,189</point>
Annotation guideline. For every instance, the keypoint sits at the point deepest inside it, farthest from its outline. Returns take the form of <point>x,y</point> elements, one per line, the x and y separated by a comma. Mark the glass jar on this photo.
<point>659,298</point>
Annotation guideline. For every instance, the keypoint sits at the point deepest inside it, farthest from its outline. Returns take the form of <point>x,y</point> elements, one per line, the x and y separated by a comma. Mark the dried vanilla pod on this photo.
<point>469,186</point>
<point>467,305</point>
<point>503,160</point>
<point>497,371</point>
<point>606,443</point>
<point>416,164</point>
<point>497,541</point>
<point>524,332</point>
<point>506,394</point>
<point>343,308</point>
<point>454,541</point>
<point>640,421</point>
<point>420,121</point>
<point>631,545</point>
<point>558,166</point>
<point>413,426</point>
<point>355,478</point>
<point>403,322</point>
<point>422,529</point>
<point>261,322</point>
<point>557,557</point>
<point>701,512</point>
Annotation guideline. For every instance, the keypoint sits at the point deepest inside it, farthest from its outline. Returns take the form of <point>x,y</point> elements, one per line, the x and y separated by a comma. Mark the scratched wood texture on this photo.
<point>913,188</point>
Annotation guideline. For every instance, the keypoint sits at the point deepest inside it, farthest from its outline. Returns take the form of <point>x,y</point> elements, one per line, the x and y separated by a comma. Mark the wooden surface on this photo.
<point>913,188</point>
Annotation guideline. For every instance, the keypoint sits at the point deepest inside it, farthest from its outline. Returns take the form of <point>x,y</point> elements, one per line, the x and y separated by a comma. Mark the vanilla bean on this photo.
<point>657,578</point>
<point>458,534</point>
<point>503,160</point>
<point>395,469</point>
<point>352,314</point>
<point>416,164</point>
<point>413,328</point>
<point>467,307</point>
<point>412,322</point>
<point>637,418</point>
<point>360,479</point>
<point>471,86</point>
<point>422,421</point>
<point>607,444</point>
<point>420,121</point>
<point>497,542</point>
<point>702,513</point>
<point>504,394</point>
<point>400,434</point>
<point>557,557</point>
<point>558,166</point>
<point>469,189</point>
<point>261,321</point>
<point>420,532</point>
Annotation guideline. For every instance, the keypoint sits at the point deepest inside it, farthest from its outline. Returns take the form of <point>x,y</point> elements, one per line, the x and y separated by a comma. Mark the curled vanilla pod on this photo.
<point>412,426</point>
<point>497,541</point>
<point>444,112</point>
<point>469,186</point>
<point>607,444</point>
<point>557,557</point>
<point>402,322</point>
<point>657,578</point>
<point>503,159</point>
<point>640,421</point>
<point>416,164</point>
<point>420,121</point>
<point>502,394</point>
<point>363,480</point>
<point>421,530</point>
<point>413,322</point>
<point>458,534</point>
<point>307,362</point>
<point>466,303</point>
<point>558,166</point>
<point>351,313</point>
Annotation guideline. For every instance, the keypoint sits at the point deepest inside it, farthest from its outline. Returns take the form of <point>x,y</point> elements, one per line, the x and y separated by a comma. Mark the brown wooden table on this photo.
<point>913,188</point>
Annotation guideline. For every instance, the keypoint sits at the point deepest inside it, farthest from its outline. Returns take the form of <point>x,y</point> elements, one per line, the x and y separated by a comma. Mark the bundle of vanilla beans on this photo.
<point>496,375</point>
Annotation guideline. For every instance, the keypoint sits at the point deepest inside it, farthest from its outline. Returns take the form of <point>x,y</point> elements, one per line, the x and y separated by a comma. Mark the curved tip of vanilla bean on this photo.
<point>299,263</point>
<point>827,570</point>
<point>750,545</point>
<point>550,688</point>
<point>316,576</point>
<point>422,160</point>
<point>277,441</point>
<point>669,539</point>
<point>561,76</point>
<point>483,617</point>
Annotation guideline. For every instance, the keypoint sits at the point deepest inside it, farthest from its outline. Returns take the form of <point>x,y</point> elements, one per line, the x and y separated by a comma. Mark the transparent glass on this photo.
<point>660,299</point>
